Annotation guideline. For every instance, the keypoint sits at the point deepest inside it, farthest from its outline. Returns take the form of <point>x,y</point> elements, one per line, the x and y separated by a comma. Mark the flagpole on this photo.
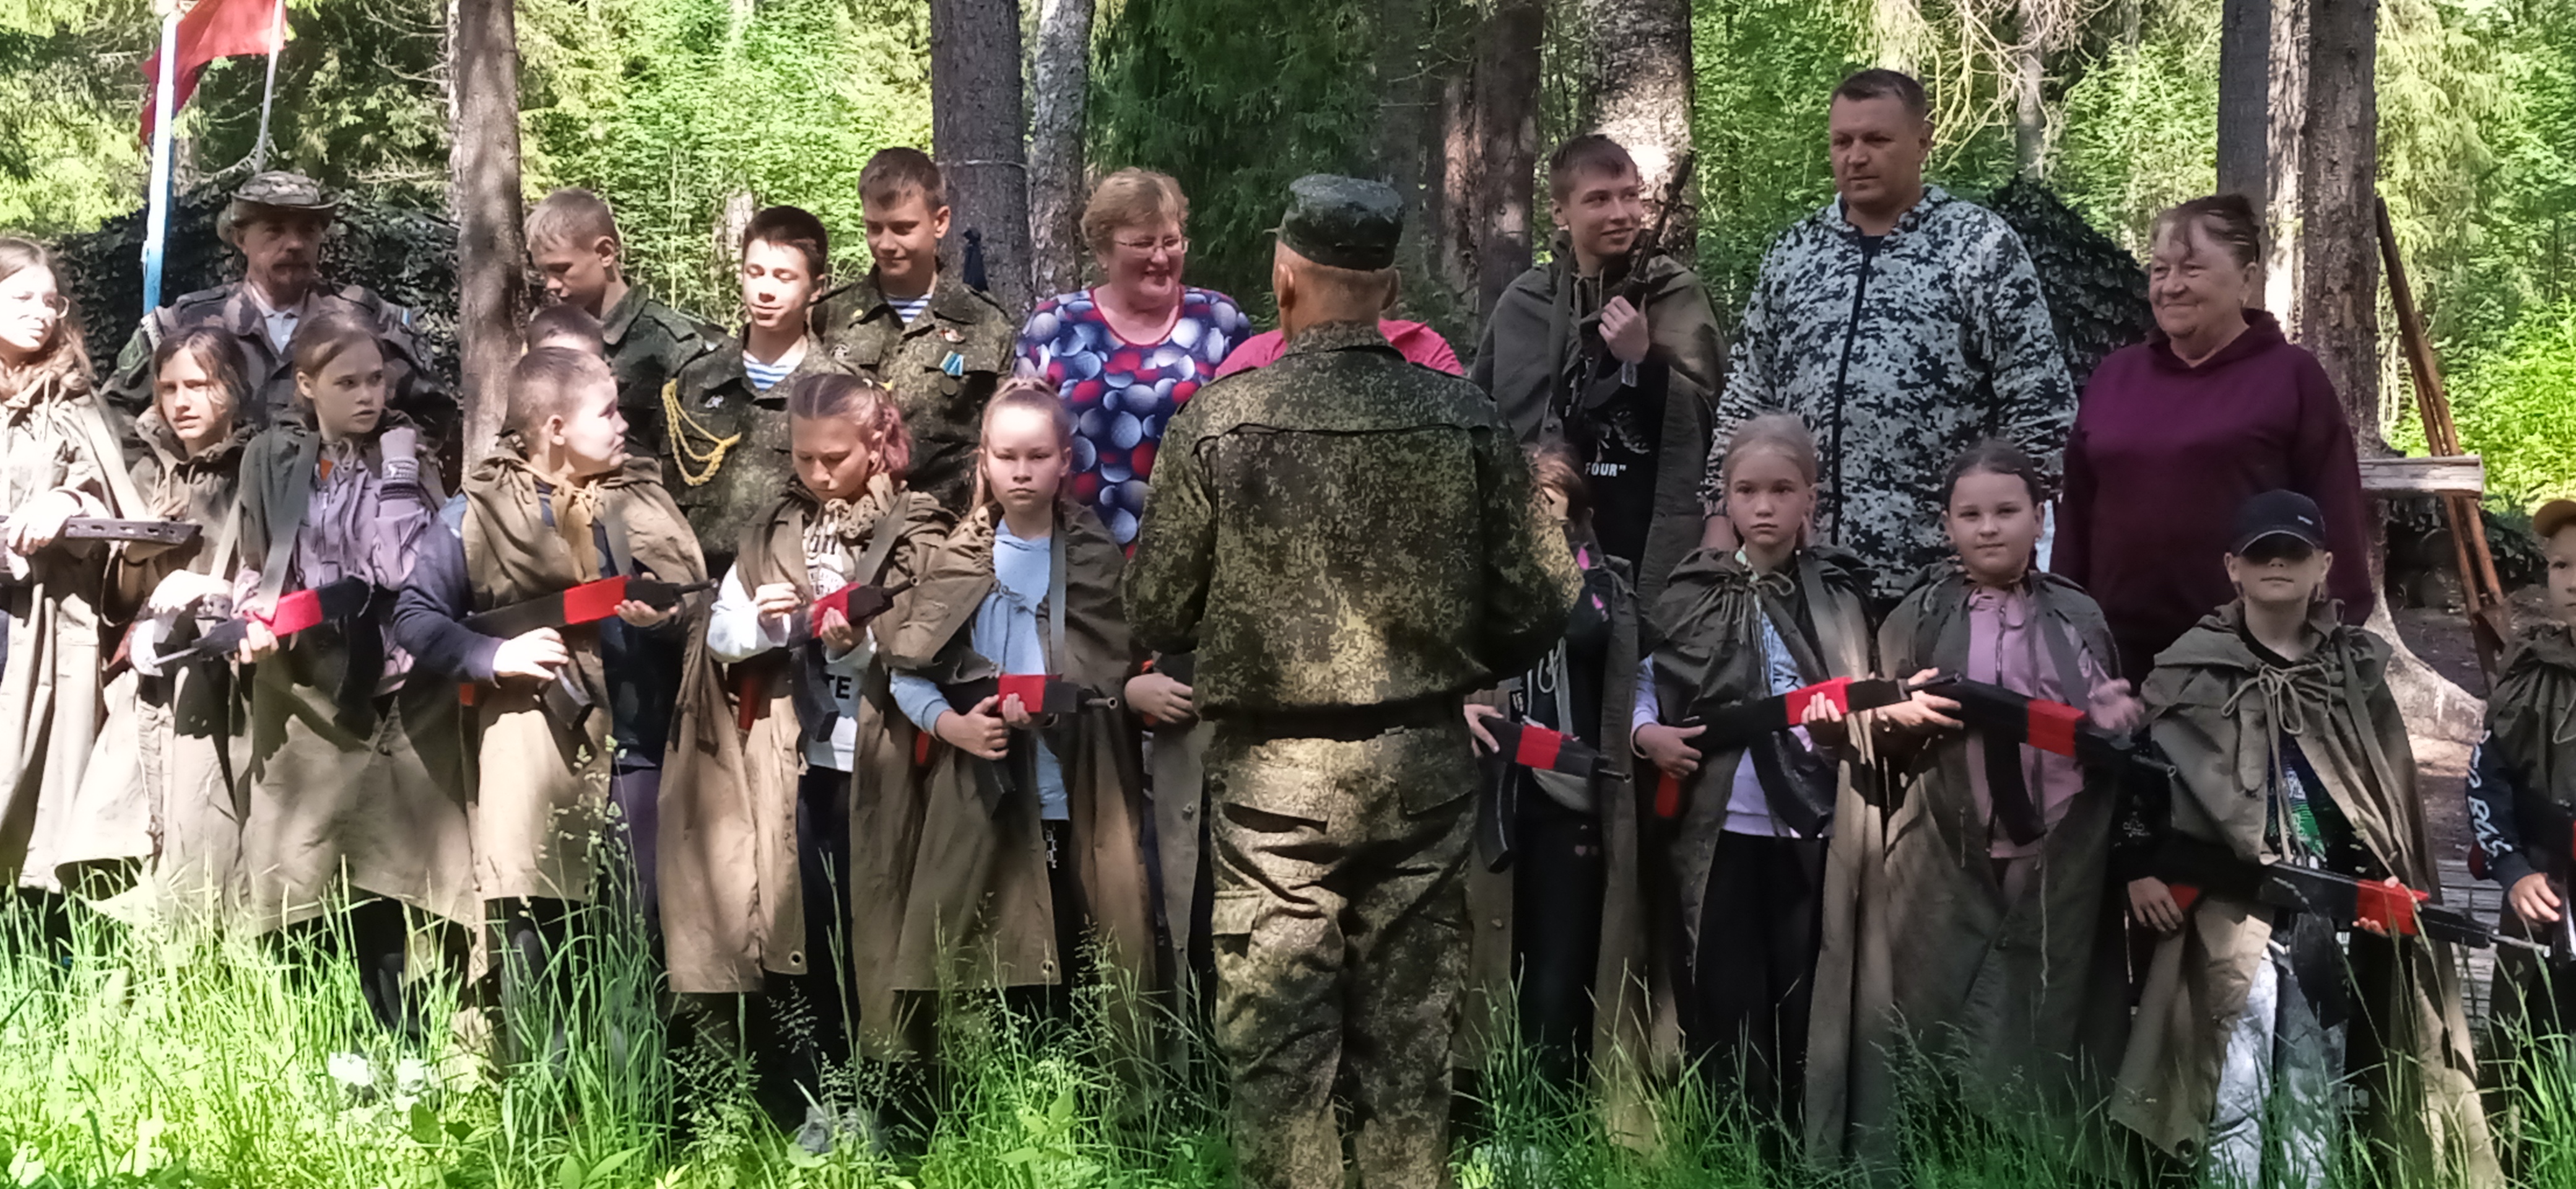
<point>268,93</point>
<point>157,224</point>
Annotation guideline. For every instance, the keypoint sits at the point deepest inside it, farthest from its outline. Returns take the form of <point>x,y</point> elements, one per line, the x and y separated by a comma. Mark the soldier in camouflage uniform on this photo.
<point>1903,326</point>
<point>277,221</point>
<point>573,242</point>
<point>1351,544</point>
<point>913,326</point>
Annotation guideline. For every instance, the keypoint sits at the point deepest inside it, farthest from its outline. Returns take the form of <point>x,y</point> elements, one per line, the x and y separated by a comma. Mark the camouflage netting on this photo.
<point>2097,294</point>
<point>404,253</point>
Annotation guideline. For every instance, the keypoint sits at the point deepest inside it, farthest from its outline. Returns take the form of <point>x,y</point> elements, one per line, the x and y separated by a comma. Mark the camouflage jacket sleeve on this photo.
<point>128,389</point>
<point>1530,577</point>
<point>1167,580</point>
<point>2009,325</point>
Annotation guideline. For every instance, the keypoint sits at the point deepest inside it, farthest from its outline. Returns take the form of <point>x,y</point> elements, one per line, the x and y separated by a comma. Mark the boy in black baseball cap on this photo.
<point>2279,561</point>
<point>2288,748</point>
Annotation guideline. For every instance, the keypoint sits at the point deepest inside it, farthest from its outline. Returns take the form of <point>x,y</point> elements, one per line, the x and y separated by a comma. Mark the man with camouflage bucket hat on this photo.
<point>1351,544</point>
<point>277,221</point>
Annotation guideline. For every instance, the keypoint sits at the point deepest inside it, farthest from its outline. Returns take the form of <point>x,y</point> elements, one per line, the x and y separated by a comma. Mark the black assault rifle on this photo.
<point>589,602</point>
<point>859,603</point>
<point>295,611</point>
<point>103,528</point>
<point>2192,867</point>
<point>1540,749</point>
<point>1738,724</point>
<point>1016,773</point>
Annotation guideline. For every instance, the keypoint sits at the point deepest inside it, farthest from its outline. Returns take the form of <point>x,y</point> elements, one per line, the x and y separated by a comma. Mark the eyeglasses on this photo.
<point>1174,244</point>
<point>52,303</point>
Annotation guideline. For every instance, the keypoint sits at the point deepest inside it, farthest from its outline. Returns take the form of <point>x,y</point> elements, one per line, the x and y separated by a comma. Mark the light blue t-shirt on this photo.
<point>1006,632</point>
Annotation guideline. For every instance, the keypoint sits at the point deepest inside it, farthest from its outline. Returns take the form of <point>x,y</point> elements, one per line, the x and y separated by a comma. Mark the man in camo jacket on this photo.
<point>1351,544</point>
<point>1903,325</point>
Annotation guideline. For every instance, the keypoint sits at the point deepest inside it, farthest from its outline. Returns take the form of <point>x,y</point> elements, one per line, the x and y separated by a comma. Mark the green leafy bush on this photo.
<point>2516,406</point>
<point>1235,98</point>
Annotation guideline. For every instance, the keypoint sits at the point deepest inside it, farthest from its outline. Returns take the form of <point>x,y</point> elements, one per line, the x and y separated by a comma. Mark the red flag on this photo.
<point>213,29</point>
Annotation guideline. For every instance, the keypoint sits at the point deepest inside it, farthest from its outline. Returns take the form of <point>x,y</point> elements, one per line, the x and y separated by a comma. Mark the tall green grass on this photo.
<point>132,1057</point>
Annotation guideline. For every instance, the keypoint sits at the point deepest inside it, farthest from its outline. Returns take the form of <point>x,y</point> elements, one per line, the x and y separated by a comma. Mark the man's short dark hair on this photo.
<point>1880,83</point>
<point>1589,153</point>
<point>892,171</point>
<point>792,227</point>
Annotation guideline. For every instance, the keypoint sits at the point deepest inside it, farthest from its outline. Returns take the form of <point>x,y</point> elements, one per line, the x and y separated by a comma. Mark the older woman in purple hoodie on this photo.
<point>2175,433</point>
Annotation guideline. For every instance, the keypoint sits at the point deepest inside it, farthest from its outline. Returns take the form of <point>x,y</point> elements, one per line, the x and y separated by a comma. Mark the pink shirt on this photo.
<point>2004,649</point>
<point>1419,344</point>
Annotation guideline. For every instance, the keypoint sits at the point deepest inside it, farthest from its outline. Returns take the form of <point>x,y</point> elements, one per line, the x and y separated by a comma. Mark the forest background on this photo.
<point>688,113</point>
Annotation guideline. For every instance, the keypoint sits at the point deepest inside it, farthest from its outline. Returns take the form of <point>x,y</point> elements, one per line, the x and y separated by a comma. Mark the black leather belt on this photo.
<point>1348,724</point>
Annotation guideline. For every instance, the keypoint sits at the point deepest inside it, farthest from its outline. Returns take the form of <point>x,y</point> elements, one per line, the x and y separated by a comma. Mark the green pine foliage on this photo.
<point>71,86</point>
<point>1235,98</point>
<point>2515,404</point>
<point>2141,126</point>
<point>359,101</point>
<point>1764,68</point>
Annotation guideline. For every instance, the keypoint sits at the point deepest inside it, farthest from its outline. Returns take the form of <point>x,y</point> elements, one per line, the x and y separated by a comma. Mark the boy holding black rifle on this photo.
<point>570,706</point>
<point>2522,798</point>
<point>2288,750</point>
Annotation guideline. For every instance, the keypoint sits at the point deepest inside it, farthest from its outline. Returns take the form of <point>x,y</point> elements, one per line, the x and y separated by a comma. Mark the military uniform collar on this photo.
<point>950,299</point>
<point>613,325</point>
<point>1339,336</point>
<point>1934,197</point>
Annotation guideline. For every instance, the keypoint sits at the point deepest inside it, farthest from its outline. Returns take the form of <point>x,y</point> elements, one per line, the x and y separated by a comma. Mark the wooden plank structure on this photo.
<point>2490,616</point>
<point>2464,474</point>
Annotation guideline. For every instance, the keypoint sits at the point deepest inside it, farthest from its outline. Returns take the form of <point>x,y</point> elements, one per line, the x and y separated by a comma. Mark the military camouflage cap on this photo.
<point>284,191</point>
<point>1342,222</point>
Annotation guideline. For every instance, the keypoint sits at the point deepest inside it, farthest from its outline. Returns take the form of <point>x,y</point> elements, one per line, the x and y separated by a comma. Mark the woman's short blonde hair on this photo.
<point>1132,198</point>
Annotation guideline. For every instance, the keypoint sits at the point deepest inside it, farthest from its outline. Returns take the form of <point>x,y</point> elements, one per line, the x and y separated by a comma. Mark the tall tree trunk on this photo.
<point>2285,179</point>
<point>2338,306</point>
<point>1507,86</point>
<point>975,127</point>
<point>483,190</point>
<point>1641,66</point>
<point>1056,182</point>
<point>2245,100</point>
<point>2029,74</point>
<point>732,219</point>
<point>2339,281</point>
<point>1454,142</point>
<point>1405,120</point>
